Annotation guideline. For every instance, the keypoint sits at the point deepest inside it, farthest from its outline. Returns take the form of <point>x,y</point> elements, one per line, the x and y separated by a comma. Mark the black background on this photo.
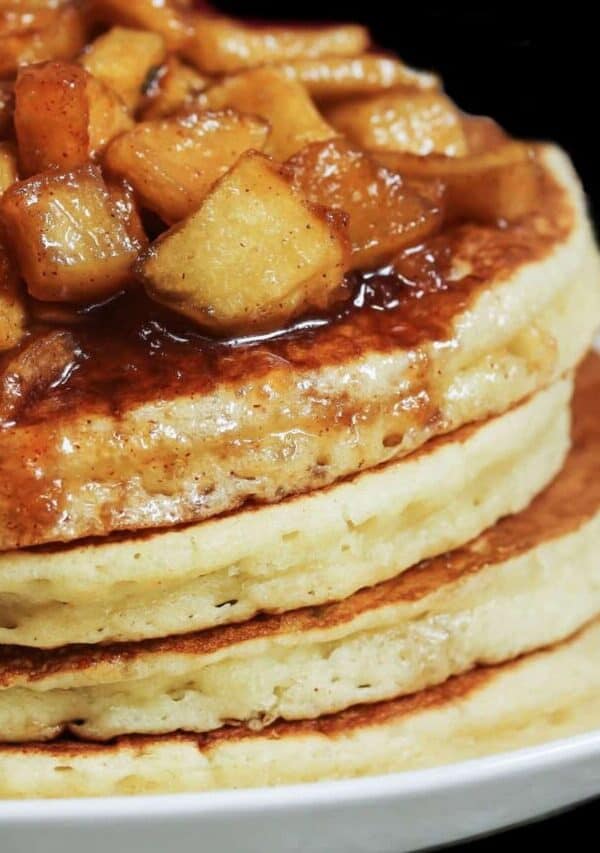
<point>533,68</point>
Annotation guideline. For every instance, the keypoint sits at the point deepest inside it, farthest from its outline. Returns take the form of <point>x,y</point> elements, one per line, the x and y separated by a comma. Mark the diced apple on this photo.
<point>502,183</point>
<point>385,214</point>
<point>175,85</point>
<point>108,116</point>
<point>24,16</point>
<point>222,46</point>
<point>34,368</point>
<point>167,17</point>
<point>7,107</point>
<point>253,256</point>
<point>12,305</point>
<point>122,58</point>
<point>60,33</point>
<point>63,116</point>
<point>126,206</point>
<point>419,122</point>
<point>351,76</point>
<point>172,163</point>
<point>8,165</point>
<point>285,104</point>
<point>52,116</point>
<point>482,134</point>
<point>70,243</point>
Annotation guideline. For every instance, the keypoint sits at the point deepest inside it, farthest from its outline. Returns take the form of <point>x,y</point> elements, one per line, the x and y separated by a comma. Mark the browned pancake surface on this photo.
<point>341,724</point>
<point>571,500</point>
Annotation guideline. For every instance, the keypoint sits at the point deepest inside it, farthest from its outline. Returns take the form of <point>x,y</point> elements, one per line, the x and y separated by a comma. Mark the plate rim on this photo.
<point>339,792</point>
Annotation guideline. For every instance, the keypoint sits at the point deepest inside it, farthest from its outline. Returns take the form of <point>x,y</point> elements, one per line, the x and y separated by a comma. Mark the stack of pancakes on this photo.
<point>366,547</point>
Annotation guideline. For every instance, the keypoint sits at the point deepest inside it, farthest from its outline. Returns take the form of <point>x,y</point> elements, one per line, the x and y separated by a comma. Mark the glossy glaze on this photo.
<point>131,350</point>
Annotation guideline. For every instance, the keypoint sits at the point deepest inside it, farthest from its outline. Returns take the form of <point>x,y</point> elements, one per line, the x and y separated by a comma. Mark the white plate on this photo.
<point>395,813</point>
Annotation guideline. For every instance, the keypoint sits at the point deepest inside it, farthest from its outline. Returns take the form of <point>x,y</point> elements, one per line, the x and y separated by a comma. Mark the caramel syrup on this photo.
<point>131,349</point>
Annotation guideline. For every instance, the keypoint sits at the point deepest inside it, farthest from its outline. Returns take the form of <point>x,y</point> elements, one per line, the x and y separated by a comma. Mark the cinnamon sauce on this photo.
<point>132,350</point>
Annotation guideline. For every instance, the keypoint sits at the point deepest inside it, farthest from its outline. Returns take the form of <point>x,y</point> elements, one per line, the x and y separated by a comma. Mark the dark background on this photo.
<point>533,68</point>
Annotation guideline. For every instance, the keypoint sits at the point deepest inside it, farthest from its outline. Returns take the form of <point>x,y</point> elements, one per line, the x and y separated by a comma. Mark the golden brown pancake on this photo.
<point>305,550</point>
<point>151,432</point>
<point>529,581</point>
<point>542,696</point>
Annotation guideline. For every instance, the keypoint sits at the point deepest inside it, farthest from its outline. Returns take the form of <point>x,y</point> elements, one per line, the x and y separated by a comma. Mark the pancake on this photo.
<point>544,696</point>
<point>303,551</point>
<point>530,581</point>
<point>151,432</point>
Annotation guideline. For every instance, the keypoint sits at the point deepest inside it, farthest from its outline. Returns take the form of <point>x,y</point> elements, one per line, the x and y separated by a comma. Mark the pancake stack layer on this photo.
<point>367,546</point>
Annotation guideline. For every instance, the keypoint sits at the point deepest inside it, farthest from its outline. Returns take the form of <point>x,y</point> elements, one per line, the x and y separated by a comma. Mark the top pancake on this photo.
<point>151,431</point>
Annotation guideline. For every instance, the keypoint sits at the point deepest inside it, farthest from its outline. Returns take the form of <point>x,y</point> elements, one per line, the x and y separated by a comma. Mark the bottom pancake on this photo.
<point>531,580</point>
<point>545,696</point>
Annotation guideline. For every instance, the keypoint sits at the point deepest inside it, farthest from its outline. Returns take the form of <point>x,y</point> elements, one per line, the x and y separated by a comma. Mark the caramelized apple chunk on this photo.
<point>172,163</point>
<point>294,119</point>
<point>122,59</point>
<point>351,76</point>
<point>51,116</point>
<point>7,107</point>
<point>69,241</point>
<point>126,205</point>
<point>419,122</point>
<point>12,306</point>
<point>222,46</point>
<point>166,17</point>
<point>253,256</point>
<point>21,16</point>
<point>8,165</point>
<point>107,116</point>
<point>482,133</point>
<point>175,85</point>
<point>44,361</point>
<point>385,214</point>
<point>63,116</point>
<point>502,183</point>
<point>38,32</point>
